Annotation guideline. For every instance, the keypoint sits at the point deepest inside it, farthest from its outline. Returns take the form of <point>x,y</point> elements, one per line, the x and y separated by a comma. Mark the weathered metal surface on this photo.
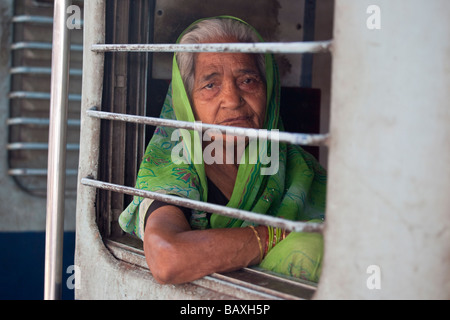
<point>89,245</point>
<point>266,47</point>
<point>246,283</point>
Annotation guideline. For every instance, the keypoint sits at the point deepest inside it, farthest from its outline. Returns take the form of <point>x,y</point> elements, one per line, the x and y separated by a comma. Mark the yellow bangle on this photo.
<point>259,242</point>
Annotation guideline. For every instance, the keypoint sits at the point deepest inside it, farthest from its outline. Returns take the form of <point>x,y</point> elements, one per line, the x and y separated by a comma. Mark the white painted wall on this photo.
<point>389,175</point>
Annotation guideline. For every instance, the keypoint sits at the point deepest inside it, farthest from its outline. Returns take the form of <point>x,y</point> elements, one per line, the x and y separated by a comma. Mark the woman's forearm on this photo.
<point>177,254</point>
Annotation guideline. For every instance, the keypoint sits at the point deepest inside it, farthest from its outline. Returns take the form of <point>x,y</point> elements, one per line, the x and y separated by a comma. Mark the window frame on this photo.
<point>120,95</point>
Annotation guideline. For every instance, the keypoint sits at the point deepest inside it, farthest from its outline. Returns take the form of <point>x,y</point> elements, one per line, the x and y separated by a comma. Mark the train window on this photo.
<point>135,83</point>
<point>30,97</point>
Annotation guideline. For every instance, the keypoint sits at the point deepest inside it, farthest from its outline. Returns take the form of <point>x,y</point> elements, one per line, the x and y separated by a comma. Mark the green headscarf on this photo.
<point>296,191</point>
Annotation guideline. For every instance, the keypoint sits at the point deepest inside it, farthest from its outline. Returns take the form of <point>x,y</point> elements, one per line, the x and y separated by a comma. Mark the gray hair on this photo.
<point>207,31</point>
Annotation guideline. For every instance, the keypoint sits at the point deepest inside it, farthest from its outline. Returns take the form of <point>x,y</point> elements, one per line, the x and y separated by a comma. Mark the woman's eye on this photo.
<point>249,83</point>
<point>209,86</point>
<point>250,80</point>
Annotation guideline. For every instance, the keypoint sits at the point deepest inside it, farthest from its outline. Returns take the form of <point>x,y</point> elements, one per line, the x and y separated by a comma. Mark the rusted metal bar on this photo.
<point>296,226</point>
<point>282,137</point>
<point>260,47</point>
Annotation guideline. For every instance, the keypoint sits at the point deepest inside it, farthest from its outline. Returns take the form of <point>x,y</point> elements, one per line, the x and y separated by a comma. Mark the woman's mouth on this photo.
<point>236,121</point>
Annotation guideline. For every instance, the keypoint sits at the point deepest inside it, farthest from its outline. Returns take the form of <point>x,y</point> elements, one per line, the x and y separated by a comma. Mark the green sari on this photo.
<point>296,191</point>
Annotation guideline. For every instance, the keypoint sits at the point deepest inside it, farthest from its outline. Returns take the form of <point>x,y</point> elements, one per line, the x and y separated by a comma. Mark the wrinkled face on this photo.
<point>228,90</point>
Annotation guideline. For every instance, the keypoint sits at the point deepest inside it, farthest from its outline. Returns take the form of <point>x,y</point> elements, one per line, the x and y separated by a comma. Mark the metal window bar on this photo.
<point>38,121</point>
<point>283,137</point>
<point>38,146</point>
<point>259,47</point>
<point>32,19</point>
<point>40,71</point>
<point>36,172</point>
<point>35,19</point>
<point>41,46</point>
<point>39,95</point>
<point>209,207</point>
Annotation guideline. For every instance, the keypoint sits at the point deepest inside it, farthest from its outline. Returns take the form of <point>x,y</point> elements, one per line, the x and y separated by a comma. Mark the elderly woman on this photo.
<point>239,90</point>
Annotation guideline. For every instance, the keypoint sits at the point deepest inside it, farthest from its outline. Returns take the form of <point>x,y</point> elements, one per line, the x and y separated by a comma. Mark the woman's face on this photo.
<point>228,90</point>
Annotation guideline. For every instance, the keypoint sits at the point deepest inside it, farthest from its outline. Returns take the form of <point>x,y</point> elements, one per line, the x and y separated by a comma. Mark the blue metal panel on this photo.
<point>22,265</point>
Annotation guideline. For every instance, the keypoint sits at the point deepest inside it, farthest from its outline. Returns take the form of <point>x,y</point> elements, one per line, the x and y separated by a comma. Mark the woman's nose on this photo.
<point>231,96</point>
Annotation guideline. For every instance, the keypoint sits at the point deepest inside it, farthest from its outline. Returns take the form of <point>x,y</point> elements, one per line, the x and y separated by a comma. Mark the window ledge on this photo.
<point>247,283</point>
